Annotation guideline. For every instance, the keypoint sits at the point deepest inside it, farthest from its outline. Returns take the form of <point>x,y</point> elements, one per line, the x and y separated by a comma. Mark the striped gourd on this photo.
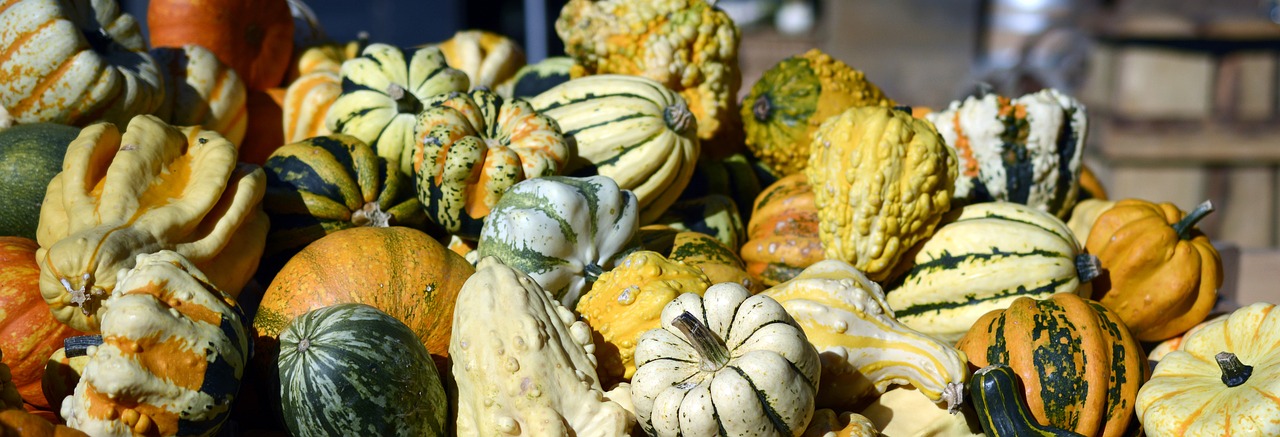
<point>306,102</point>
<point>991,254</point>
<point>534,79</point>
<point>631,129</point>
<point>201,91</point>
<point>488,58</point>
<point>715,215</point>
<point>997,397</point>
<point>350,369</point>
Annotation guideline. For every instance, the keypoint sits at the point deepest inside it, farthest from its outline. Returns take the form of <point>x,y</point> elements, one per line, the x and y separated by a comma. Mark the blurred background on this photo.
<point>1182,94</point>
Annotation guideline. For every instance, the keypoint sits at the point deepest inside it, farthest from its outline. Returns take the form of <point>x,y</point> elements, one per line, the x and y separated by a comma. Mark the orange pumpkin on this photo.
<point>28,331</point>
<point>21,423</point>
<point>265,133</point>
<point>255,37</point>
<point>783,232</point>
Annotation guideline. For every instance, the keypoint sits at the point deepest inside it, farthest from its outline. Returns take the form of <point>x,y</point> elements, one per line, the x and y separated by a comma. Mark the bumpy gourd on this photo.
<point>524,364</point>
<point>782,236</point>
<point>793,98</point>
<point>488,58</point>
<point>201,91</point>
<point>156,187</point>
<point>881,181</point>
<point>174,348</point>
<point>864,349</point>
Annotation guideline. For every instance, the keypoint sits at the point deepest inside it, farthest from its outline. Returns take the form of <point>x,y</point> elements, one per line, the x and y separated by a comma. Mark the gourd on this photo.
<point>1024,150</point>
<point>254,37</point>
<point>689,46</point>
<point>324,55</point>
<point>156,187</point>
<point>1157,353</point>
<point>631,129</point>
<point>28,331</point>
<point>699,250</point>
<point>991,254</point>
<point>28,424</point>
<point>739,176</point>
<point>487,58</point>
<point>905,411</point>
<point>531,374</point>
<point>350,369</point>
<point>1090,186</point>
<point>471,148</point>
<point>90,59</point>
<point>1080,366</point>
<point>826,423</point>
<point>793,98</point>
<point>1222,381</point>
<point>173,350</point>
<point>201,91</point>
<point>306,103</point>
<point>1161,274</point>
<point>534,79</point>
<point>997,397</point>
<point>384,90</point>
<point>725,363</point>
<point>61,376</point>
<point>864,349</point>
<point>627,301</point>
<point>562,231</point>
<point>9,397</point>
<point>30,156</point>
<point>881,182</point>
<point>1084,215</point>
<point>782,236</point>
<point>715,215</point>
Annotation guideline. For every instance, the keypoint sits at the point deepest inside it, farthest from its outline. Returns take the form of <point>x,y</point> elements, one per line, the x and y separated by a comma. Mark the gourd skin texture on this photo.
<point>826,423</point>
<point>306,103</point>
<point>75,63</point>
<point>156,187</point>
<point>488,58</point>
<point>1186,394</point>
<point>532,372</point>
<point>201,91</point>
<point>783,232</point>
<point>881,181</point>
<point>174,349</point>
<point>793,98</point>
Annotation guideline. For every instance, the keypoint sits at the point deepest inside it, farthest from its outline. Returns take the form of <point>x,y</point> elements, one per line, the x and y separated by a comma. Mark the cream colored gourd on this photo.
<point>306,102</point>
<point>906,412</point>
<point>826,423</point>
<point>201,91</point>
<point>864,349</point>
<point>1084,214</point>
<point>488,58</point>
<point>524,364</point>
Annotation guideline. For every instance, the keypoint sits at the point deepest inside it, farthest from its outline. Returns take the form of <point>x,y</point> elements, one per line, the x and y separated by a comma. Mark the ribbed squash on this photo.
<point>864,349</point>
<point>384,90</point>
<point>795,96</point>
<point>471,148</point>
<point>997,396</point>
<point>1157,353</point>
<point>201,91</point>
<point>1079,365</point>
<point>627,301</point>
<point>488,58</point>
<point>75,63</point>
<point>782,236</point>
<point>631,129</point>
<point>324,56</point>
<point>715,215</point>
<point>740,176</point>
<point>154,187</point>
<point>28,331</point>
<point>984,259</point>
<point>1084,215</point>
<point>534,79</point>
<point>306,103</point>
<point>698,250</point>
<point>881,181</point>
<point>689,46</point>
<point>1024,150</point>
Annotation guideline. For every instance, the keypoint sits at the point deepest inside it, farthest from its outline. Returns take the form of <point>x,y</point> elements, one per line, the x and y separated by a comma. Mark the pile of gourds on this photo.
<point>248,225</point>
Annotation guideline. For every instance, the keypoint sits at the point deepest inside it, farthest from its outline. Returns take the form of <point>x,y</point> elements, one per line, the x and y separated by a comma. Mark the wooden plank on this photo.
<point>1202,143</point>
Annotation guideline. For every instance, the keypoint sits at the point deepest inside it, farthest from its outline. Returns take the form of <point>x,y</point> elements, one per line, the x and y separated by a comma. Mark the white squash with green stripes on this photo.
<point>991,254</point>
<point>632,129</point>
<point>562,231</point>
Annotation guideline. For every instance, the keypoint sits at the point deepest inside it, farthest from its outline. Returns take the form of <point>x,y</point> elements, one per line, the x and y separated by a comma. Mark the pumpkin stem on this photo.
<point>679,118</point>
<point>1234,372</point>
<point>709,345</point>
<point>371,215</point>
<point>79,345</point>
<point>762,108</point>
<point>1088,267</point>
<point>406,102</point>
<point>1183,227</point>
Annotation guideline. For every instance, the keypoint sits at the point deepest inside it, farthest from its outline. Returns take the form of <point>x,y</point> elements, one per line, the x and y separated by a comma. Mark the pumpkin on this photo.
<point>562,231</point>
<point>1090,186</point>
<point>627,301</point>
<point>62,375</point>
<point>201,91</point>
<point>75,63</point>
<point>725,363</point>
<point>173,350</point>
<point>826,423</point>
<point>1079,365</point>
<point>881,182</point>
<point>982,260</point>
<point>306,103</point>
<point>1084,215</point>
<point>905,411</point>
<point>471,148</point>
<point>631,129</point>
<point>1157,353</point>
<point>698,250</point>
<point>534,79</point>
<point>689,46</point>
<point>740,176</point>
<point>533,372</point>
<point>1221,382</point>
<point>9,397</point>
<point>488,58</point>
<point>1024,150</point>
<point>254,37</point>
<point>21,423</point>
<point>323,56</point>
<point>782,236</point>
<point>263,135</point>
<point>715,215</point>
<point>788,103</point>
<point>28,331</point>
<point>1161,274</point>
<point>350,369</point>
<point>383,91</point>
<point>154,187</point>
<point>864,349</point>
<point>997,396</point>
<point>30,156</point>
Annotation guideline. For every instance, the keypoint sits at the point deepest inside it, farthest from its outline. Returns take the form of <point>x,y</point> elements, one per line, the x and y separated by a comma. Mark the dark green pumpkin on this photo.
<point>30,156</point>
<point>997,397</point>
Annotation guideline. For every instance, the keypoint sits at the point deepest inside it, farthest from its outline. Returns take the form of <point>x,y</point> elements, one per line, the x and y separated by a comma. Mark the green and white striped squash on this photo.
<point>383,93</point>
<point>1024,150</point>
<point>534,79</point>
<point>562,231</point>
<point>715,215</point>
<point>997,397</point>
<point>631,129</point>
<point>991,254</point>
<point>351,369</point>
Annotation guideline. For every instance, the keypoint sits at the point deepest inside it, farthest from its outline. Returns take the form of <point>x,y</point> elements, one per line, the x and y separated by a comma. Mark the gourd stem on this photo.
<point>1183,227</point>
<point>593,272</point>
<point>1088,267</point>
<point>406,102</point>
<point>678,117</point>
<point>709,345</point>
<point>762,108</point>
<point>79,345</point>
<point>1234,372</point>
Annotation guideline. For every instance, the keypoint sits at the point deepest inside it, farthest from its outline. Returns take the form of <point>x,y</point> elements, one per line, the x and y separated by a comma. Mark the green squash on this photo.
<point>30,156</point>
<point>715,215</point>
<point>740,176</point>
<point>534,79</point>
<point>997,397</point>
